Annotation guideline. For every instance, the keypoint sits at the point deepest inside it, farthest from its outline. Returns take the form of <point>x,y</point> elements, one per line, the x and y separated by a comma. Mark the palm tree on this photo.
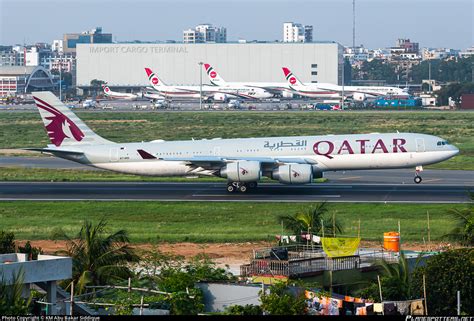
<point>11,299</point>
<point>99,259</point>
<point>311,221</point>
<point>463,231</point>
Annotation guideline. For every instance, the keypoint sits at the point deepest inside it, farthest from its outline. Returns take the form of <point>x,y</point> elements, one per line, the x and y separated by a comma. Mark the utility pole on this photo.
<point>200,84</point>
<point>429,75</point>
<point>353,26</point>
<point>343,63</point>
<point>60,76</point>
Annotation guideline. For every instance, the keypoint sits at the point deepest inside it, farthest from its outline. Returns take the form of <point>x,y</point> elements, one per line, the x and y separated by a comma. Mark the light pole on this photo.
<point>343,63</point>
<point>200,84</point>
<point>429,76</point>
<point>60,76</point>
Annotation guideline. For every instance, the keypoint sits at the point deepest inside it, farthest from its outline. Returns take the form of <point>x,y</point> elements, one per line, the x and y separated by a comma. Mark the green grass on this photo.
<point>81,175</point>
<point>26,129</point>
<point>215,222</point>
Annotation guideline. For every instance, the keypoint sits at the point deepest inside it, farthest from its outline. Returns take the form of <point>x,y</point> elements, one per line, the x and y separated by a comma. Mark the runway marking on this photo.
<point>227,195</point>
<point>349,178</point>
<point>432,180</point>
<point>234,200</point>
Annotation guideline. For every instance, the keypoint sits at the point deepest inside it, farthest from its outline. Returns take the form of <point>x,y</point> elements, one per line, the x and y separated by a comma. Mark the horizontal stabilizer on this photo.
<point>55,151</point>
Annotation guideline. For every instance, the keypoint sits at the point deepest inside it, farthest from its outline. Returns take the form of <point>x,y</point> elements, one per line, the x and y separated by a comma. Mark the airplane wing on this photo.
<point>219,161</point>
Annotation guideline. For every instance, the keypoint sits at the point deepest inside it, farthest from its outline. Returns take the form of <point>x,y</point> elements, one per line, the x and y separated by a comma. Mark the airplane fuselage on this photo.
<point>323,153</point>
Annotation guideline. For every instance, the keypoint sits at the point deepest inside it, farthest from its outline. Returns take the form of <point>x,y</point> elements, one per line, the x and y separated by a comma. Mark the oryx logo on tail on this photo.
<point>60,126</point>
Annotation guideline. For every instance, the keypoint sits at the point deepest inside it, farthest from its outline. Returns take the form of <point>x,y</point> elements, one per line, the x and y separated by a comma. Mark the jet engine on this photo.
<point>359,96</point>
<point>293,174</point>
<point>242,171</point>
<point>286,94</point>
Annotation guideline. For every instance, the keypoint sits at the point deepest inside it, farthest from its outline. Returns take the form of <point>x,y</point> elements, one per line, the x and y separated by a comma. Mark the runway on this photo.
<point>376,193</point>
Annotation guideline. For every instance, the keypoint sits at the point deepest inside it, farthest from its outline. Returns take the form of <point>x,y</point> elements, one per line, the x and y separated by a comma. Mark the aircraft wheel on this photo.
<point>417,179</point>
<point>231,188</point>
<point>243,188</point>
<point>252,185</point>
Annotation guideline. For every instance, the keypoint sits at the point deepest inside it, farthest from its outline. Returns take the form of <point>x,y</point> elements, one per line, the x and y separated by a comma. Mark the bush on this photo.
<point>446,274</point>
<point>281,302</point>
<point>7,242</point>
<point>248,309</point>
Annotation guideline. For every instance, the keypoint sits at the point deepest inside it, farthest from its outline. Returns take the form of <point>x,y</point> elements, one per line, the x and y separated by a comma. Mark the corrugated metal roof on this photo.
<point>16,70</point>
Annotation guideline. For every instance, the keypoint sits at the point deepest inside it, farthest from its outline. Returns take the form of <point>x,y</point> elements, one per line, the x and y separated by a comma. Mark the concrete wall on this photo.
<point>46,268</point>
<point>177,64</point>
<point>219,296</point>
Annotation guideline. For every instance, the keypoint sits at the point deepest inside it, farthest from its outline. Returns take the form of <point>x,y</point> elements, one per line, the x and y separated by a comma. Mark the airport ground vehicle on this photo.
<point>89,103</point>
<point>234,104</point>
<point>242,161</point>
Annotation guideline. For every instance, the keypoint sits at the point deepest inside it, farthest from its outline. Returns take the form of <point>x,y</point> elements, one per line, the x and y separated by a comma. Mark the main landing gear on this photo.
<point>418,178</point>
<point>240,186</point>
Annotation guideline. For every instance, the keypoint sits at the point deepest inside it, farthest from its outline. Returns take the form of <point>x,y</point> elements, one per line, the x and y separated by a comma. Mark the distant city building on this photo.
<point>239,62</point>
<point>469,52</point>
<point>70,40</point>
<point>438,53</point>
<point>296,32</point>
<point>18,80</point>
<point>205,33</point>
<point>57,46</point>
<point>408,46</point>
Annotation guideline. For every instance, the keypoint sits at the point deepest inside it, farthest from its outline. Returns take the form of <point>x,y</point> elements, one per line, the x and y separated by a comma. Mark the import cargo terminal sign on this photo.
<point>120,49</point>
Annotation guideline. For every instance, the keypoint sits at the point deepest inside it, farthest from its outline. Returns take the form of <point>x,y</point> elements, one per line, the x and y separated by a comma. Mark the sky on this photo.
<point>379,23</point>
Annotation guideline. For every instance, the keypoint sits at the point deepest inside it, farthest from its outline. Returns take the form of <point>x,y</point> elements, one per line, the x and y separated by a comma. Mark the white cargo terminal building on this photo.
<point>122,65</point>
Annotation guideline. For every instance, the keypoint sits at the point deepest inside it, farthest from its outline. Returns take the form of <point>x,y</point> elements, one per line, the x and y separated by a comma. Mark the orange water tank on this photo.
<point>391,241</point>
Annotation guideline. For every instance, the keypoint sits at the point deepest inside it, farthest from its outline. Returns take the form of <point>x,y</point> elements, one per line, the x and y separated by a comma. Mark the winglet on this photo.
<point>286,71</point>
<point>145,155</point>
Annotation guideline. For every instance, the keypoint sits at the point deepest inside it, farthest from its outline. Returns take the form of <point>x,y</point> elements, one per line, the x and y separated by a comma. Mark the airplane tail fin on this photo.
<point>153,78</point>
<point>214,76</point>
<point>106,89</point>
<point>291,78</point>
<point>64,128</point>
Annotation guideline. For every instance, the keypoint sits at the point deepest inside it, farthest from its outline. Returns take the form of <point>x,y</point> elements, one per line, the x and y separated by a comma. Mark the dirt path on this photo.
<point>226,253</point>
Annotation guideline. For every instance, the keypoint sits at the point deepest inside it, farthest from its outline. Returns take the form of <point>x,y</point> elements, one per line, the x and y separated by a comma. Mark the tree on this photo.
<point>463,232</point>
<point>376,70</point>
<point>446,274</point>
<point>281,302</point>
<point>455,91</point>
<point>99,259</point>
<point>395,281</point>
<point>248,309</point>
<point>11,300</point>
<point>7,242</point>
<point>96,85</point>
<point>310,221</point>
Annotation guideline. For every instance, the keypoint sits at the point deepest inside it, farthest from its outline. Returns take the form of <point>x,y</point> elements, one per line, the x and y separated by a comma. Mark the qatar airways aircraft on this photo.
<point>277,88</point>
<point>218,93</point>
<point>325,90</point>
<point>243,161</point>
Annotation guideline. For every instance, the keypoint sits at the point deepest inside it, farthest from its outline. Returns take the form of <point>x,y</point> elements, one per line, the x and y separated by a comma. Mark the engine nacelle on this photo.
<point>220,97</point>
<point>359,96</point>
<point>286,94</point>
<point>293,174</point>
<point>242,171</point>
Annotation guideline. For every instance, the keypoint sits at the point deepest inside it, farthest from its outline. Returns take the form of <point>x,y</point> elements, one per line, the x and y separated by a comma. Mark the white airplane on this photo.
<point>242,161</point>
<point>217,93</point>
<point>117,95</point>
<point>247,90</point>
<point>325,90</point>
<point>277,88</point>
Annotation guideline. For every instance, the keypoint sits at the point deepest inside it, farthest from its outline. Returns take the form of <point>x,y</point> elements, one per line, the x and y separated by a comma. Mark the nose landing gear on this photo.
<point>418,178</point>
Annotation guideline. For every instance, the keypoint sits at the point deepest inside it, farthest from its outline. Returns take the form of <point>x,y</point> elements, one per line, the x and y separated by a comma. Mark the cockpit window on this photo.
<point>442,143</point>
